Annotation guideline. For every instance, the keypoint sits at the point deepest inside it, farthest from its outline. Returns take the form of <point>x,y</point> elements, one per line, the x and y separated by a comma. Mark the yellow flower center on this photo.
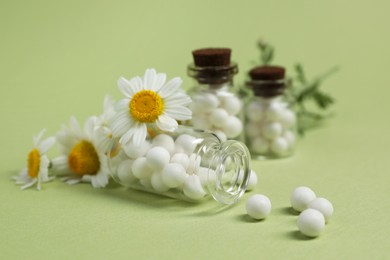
<point>34,160</point>
<point>83,159</point>
<point>146,106</point>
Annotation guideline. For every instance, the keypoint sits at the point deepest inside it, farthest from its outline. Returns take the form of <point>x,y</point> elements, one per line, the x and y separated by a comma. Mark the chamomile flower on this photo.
<point>36,171</point>
<point>149,100</point>
<point>84,156</point>
<point>104,132</point>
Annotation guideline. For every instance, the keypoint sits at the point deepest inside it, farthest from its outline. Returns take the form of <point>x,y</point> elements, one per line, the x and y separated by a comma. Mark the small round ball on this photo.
<point>219,117</point>
<point>301,197</point>
<point>254,112</point>
<point>275,111</point>
<point>232,105</point>
<point>221,135</point>
<point>158,183</point>
<point>311,222</point>
<point>201,122</point>
<point>206,102</point>
<point>233,127</point>
<point>165,141</point>
<point>181,158</point>
<point>173,175</point>
<point>206,176</point>
<point>194,164</point>
<point>192,188</point>
<point>186,142</point>
<point>157,157</point>
<point>252,181</point>
<point>279,146</point>
<point>136,151</point>
<point>290,137</point>
<point>140,168</point>
<point>252,129</point>
<point>322,205</point>
<point>146,183</point>
<point>195,108</point>
<point>258,206</point>
<point>287,118</point>
<point>259,145</point>
<point>272,130</point>
<point>124,172</point>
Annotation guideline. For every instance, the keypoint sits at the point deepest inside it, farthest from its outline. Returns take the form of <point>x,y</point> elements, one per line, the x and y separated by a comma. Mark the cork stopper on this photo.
<point>267,73</point>
<point>267,81</point>
<point>212,66</point>
<point>212,57</point>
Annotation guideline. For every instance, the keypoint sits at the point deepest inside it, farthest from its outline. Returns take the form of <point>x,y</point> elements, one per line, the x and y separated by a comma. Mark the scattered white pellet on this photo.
<point>233,127</point>
<point>311,222</point>
<point>219,117</point>
<point>279,146</point>
<point>258,206</point>
<point>124,172</point>
<point>232,105</point>
<point>157,182</point>
<point>272,130</point>
<point>165,141</point>
<point>140,168</point>
<point>173,175</point>
<point>136,151</point>
<point>192,188</point>
<point>181,158</point>
<point>322,205</point>
<point>259,145</point>
<point>187,143</point>
<point>301,197</point>
<point>157,157</point>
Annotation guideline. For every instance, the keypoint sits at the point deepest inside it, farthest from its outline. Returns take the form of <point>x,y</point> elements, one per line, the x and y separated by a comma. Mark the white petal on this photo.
<point>178,99</point>
<point>160,81</point>
<point>126,137</point>
<point>179,113</point>
<point>136,84</point>
<point>89,126</point>
<point>124,87</point>
<point>75,127</point>
<point>139,134</point>
<point>166,123</point>
<point>31,183</point>
<point>73,181</point>
<point>122,104</point>
<point>46,144</point>
<point>149,79</point>
<point>87,178</point>
<point>121,123</point>
<point>37,138</point>
<point>171,87</point>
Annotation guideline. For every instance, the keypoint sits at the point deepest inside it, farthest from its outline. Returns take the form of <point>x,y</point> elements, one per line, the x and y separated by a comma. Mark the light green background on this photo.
<point>59,58</point>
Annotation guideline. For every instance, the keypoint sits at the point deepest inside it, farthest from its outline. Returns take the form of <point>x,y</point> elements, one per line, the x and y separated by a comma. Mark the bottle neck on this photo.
<point>213,76</point>
<point>267,88</point>
<point>228,170</point>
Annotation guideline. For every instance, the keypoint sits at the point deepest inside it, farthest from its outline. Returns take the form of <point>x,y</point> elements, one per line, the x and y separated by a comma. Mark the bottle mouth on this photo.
<point>212,74</point>
<point>229,171</point>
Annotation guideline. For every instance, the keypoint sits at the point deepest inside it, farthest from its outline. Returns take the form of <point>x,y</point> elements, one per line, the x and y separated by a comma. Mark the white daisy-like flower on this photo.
<point>84,156</point>
<point>37,168</point>
<point>149,100</point>
<point>104,132</point>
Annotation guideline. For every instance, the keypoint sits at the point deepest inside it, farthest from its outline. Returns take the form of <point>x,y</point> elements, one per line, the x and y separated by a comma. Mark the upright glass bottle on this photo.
<point>216,105</point>
<point>270,125</point>
<point>186,164</point>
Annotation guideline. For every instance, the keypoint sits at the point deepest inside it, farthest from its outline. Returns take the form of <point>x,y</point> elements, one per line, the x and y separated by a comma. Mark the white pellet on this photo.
<point>187,143</point>
<point>181,158</point>
<point>301,197</point>
<point>124,172</point>
<point>136,151</point>
<point>192,188</point>
<point>233,127</point>
<point>157,157</point>
<point>165,141</point>
<point>173,175</point>
<point>271,130</point>
<point>311,222</point>
<point>259,145</point>
<point>322,205</point>
<point>140,168</point>
<point>157,182</point>
<point>232,105</point>
<point>258,206</point>
<point>219,117</point>
<point>279,145</point>
<point>254,112</point>
<point>253,129</point>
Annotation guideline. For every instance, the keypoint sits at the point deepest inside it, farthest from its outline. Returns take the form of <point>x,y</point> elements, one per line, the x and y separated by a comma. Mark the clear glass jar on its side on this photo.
<point>186,164</point>
<point>270,125</point>
<point>216,106</point>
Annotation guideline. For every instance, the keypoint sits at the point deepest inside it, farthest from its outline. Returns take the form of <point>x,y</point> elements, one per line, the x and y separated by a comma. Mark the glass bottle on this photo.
<point>186,164</point>
<point>216,105</point>
<point>270,124</point>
